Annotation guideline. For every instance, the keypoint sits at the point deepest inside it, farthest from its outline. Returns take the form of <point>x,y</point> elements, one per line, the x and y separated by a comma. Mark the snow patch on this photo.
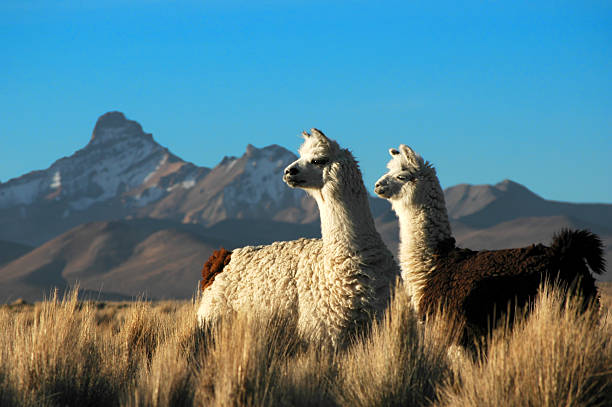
<point>188,183</point>
<point>56,181</point>
<point>231,164</point>
<point>159,165</point>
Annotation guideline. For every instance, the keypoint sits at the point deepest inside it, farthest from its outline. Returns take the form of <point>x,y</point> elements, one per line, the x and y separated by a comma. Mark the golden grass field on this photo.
<point>63,352</point>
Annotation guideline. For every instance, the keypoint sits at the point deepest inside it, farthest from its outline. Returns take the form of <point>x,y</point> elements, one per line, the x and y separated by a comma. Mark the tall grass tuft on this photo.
<point>557,356</point>
<point>172,343</point>
<point>401,362</point>
<point>56,357</point>
<point>167,380</point>
<point>252,361</point>
<point>142,332</point>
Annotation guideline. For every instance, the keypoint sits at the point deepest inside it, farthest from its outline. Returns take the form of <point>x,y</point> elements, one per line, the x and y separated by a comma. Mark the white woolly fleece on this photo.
<point>335,285</point>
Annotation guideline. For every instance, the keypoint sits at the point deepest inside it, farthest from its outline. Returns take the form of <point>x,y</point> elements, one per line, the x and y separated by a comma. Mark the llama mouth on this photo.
<point>292,182</point>
<point>381,192</point>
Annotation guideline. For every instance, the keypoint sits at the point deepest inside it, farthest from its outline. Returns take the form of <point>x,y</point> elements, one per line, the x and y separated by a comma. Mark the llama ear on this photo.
<point>407,151</point>
<point>317,133</point>
<point>305,134</point>
<point>409,154</point>
<point>393,152</point>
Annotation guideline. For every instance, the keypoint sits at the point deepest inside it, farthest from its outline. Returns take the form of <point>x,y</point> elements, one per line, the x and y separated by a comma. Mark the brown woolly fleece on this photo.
<point>213,266</point>
<point>479,285</point>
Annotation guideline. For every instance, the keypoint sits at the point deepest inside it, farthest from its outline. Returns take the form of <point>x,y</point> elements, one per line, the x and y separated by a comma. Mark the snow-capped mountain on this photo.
<point>120,161</point>
<point>122,172</point>
<point>247,187</point>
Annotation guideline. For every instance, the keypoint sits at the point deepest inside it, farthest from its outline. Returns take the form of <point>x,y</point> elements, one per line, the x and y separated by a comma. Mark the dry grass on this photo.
<point>554,357</point>
<point>400,362</point>
<point>66,352</point>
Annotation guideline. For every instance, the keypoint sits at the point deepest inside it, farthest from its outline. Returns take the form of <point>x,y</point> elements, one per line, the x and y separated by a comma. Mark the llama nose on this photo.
<point>291,171</point>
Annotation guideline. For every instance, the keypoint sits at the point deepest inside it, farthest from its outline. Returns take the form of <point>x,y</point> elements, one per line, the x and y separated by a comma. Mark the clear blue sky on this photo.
<point>486,91</point>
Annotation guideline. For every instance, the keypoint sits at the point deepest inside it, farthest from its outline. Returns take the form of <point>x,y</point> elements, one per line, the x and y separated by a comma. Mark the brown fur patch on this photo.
<point>473,284</point>
<point>213,266</point>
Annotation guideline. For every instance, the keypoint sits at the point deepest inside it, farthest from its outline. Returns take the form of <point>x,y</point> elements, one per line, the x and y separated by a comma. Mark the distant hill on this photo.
<point>518,232</point>
<point>483,206</point>
<point>159,259</point>
<point>11,250</point>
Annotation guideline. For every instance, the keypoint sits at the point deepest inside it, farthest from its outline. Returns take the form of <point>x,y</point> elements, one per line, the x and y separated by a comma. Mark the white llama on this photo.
<point>473,285</point>
<point>333,286</point>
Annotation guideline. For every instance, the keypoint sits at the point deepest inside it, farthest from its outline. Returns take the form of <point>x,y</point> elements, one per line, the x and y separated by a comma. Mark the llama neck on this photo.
<point>422,228</point>
<point>356,262</point>
<point>346,219</point>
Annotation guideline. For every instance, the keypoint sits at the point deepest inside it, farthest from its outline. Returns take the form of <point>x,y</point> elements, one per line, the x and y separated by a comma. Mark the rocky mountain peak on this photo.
<point>113,126</point>
<point>510,187</point>
<point>251,150</point>
<point>227,159</point>
<point>272,152</point>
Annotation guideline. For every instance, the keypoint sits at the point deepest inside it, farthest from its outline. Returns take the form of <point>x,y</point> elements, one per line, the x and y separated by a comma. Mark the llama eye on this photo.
<point>402,177</point>
<point>319,161</point>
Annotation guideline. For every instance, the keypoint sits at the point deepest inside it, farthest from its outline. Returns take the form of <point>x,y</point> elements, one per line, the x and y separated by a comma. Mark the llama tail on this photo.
<point>574,247</point>
<point>213,266</point>
<point>573,250</point>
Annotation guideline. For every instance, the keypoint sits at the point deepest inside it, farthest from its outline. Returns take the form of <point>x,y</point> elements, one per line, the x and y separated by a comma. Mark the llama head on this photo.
<point>322,165</point>
<point>410,178</point>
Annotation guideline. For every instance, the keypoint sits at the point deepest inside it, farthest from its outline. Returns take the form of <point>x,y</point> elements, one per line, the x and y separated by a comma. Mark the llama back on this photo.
<point>500,280</point>
<point>478,285</point>
<point>257,277</point>
<point>460,270</point>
